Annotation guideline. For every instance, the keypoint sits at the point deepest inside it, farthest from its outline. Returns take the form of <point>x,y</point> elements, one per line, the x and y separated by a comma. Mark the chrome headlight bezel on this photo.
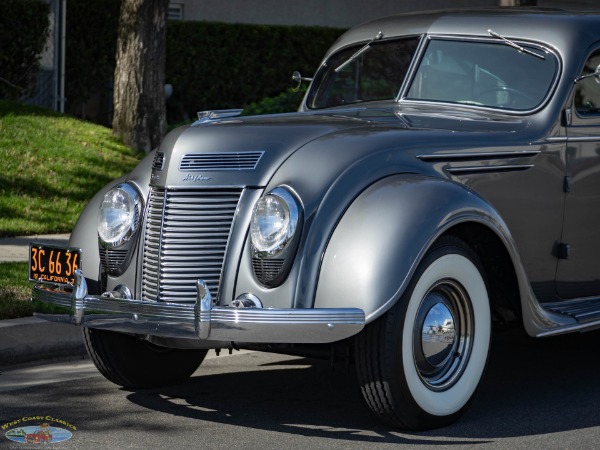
<point>274,223</point>
<point>124,224</point>
<point>273,260</point>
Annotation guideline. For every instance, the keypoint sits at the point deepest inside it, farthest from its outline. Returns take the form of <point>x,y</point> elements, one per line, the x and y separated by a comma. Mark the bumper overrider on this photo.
<point>201,320</point>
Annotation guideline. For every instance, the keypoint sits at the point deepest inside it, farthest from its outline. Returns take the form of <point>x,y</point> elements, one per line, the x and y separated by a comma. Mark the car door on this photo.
<point>578,271</point>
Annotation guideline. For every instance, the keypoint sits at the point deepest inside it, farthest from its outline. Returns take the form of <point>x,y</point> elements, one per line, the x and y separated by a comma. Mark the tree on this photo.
<point>139,118</point>
<point>24,26</point>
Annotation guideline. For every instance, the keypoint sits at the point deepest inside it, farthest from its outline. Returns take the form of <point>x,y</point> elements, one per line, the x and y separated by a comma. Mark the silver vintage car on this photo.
<point>440,180</point>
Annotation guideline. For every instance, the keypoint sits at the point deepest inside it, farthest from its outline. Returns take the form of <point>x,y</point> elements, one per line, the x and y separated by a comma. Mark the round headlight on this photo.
<point>274,222</point>
<point>119,215</point>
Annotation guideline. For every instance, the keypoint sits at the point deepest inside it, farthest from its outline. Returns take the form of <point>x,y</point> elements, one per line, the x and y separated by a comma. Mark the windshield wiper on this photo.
<point>515,45</point>
<point>359,52</point>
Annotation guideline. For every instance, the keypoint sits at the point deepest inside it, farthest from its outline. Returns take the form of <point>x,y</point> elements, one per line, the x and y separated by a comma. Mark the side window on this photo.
<point>587,91</point>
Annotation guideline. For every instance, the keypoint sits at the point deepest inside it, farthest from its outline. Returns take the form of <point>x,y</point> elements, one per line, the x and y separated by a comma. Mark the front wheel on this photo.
<point>420,363</point>
<point>134,363</point>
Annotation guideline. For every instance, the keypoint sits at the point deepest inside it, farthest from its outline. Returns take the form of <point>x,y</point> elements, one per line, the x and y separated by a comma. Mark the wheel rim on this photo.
<point>443,330</point>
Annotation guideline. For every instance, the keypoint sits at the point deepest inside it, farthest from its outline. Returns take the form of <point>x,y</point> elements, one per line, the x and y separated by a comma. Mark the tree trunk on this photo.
<point>139,118</point>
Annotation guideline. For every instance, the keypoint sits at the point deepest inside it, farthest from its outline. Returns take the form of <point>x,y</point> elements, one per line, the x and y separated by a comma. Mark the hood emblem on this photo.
<point>211,116</point>
<point>190,177</point>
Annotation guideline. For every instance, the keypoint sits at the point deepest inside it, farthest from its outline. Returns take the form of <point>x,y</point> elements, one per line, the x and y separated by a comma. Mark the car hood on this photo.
<point>246,151</point>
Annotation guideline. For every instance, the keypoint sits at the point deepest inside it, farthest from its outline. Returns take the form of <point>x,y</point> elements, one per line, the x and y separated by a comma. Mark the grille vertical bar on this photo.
<point>185,239</point>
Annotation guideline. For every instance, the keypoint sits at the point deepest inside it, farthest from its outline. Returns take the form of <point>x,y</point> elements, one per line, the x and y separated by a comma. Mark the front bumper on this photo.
<point>201,320</point>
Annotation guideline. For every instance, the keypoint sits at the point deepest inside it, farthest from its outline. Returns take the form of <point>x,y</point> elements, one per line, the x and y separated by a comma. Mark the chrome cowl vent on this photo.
<point>185,239</point>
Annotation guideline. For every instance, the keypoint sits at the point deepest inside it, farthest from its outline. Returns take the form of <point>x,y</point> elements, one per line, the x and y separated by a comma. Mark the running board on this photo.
<point>586,314</point>
<point>583,311</point>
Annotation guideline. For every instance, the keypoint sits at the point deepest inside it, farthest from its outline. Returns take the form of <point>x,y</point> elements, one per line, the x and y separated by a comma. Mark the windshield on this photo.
<point>489,74</point>
<point>376,73</point>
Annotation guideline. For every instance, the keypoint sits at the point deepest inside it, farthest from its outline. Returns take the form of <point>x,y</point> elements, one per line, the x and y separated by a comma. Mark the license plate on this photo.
<point>53,265</point>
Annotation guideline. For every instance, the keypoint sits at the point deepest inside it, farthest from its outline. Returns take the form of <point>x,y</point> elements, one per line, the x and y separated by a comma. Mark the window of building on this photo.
<point>175,11</point>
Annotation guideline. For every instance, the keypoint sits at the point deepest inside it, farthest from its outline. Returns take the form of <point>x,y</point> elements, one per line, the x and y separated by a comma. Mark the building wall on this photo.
<point>334,13</point>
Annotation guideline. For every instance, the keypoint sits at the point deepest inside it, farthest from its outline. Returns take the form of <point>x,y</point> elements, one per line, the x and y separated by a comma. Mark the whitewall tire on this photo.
<point>420,364</point>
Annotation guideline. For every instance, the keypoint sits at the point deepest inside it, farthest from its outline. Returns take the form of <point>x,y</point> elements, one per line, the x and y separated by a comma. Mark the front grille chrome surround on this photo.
<point>186,237</point>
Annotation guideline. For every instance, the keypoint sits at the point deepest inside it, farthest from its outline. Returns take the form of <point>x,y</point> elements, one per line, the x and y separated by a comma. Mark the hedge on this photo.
<point>91,44</point>
<point>210,65</point>
<point>24,26</point>
<point>220,66</point>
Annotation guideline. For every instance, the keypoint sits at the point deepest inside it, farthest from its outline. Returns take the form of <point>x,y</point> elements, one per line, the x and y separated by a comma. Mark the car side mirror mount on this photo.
<point>595,74</point>
<point>298,78</point>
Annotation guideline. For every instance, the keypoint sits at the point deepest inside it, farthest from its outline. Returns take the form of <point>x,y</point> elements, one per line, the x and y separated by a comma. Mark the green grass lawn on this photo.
<point>51,166</point>
<point>15,293</point>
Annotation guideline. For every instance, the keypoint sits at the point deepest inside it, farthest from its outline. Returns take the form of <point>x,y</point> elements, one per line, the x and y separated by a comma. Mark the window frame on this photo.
<point>483,39</point>
<point>580,117</point>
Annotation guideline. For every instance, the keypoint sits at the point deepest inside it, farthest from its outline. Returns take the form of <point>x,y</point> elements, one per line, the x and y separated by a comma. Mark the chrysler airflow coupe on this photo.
<point>440,180</point>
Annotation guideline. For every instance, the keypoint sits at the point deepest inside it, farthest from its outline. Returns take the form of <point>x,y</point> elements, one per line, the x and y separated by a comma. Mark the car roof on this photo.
<point>563,30</point>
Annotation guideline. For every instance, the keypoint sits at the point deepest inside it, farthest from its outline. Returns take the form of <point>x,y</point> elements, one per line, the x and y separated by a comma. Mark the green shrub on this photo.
<point>210,65</point>
<point>91,45</point>
<point>221,66</point>
<point>24,28</point>
<point>287,101</point>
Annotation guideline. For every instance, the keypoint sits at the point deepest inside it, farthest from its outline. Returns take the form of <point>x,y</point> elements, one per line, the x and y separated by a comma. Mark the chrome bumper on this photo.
<point>200,320</point>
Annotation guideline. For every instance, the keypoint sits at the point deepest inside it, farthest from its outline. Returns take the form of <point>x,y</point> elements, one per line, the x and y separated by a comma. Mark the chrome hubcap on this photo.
<point>442,335</point>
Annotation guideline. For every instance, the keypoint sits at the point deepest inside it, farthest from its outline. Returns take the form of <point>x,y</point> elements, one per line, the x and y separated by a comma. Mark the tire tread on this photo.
<point>133,363</point>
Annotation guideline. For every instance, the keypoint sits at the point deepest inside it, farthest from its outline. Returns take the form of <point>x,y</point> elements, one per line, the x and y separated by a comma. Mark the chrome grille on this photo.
<point>195,162</point>
<point>112,259</point>
<point>185,239</point>
<point>266,270</point>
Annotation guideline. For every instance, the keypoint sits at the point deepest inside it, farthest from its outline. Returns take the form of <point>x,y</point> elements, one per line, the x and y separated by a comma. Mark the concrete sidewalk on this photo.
<point>17,249</point>
<point>30,338</point>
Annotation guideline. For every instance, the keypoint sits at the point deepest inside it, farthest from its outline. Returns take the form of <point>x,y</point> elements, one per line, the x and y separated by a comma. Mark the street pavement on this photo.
<point>537,394</point>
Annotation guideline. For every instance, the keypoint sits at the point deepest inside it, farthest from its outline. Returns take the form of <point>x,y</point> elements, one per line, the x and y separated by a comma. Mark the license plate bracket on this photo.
<point>52,264</point>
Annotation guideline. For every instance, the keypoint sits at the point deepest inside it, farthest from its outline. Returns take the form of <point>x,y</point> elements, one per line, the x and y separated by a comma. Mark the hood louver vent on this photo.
<point>196,162</point>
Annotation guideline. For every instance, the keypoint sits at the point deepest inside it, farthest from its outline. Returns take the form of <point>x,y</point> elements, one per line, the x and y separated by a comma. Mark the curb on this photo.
<point>31,339</point>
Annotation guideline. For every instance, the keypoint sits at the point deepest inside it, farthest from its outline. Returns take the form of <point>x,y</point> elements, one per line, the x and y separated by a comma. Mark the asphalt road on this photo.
<point>537,394</point>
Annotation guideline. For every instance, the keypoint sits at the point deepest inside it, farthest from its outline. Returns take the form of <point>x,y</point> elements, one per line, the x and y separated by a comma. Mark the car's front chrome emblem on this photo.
<point>190,177</point>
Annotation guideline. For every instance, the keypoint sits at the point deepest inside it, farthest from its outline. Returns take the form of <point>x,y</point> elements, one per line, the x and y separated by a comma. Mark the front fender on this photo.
<point>85,232</point>
<point>85,237</point>
<point>383,235</point>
